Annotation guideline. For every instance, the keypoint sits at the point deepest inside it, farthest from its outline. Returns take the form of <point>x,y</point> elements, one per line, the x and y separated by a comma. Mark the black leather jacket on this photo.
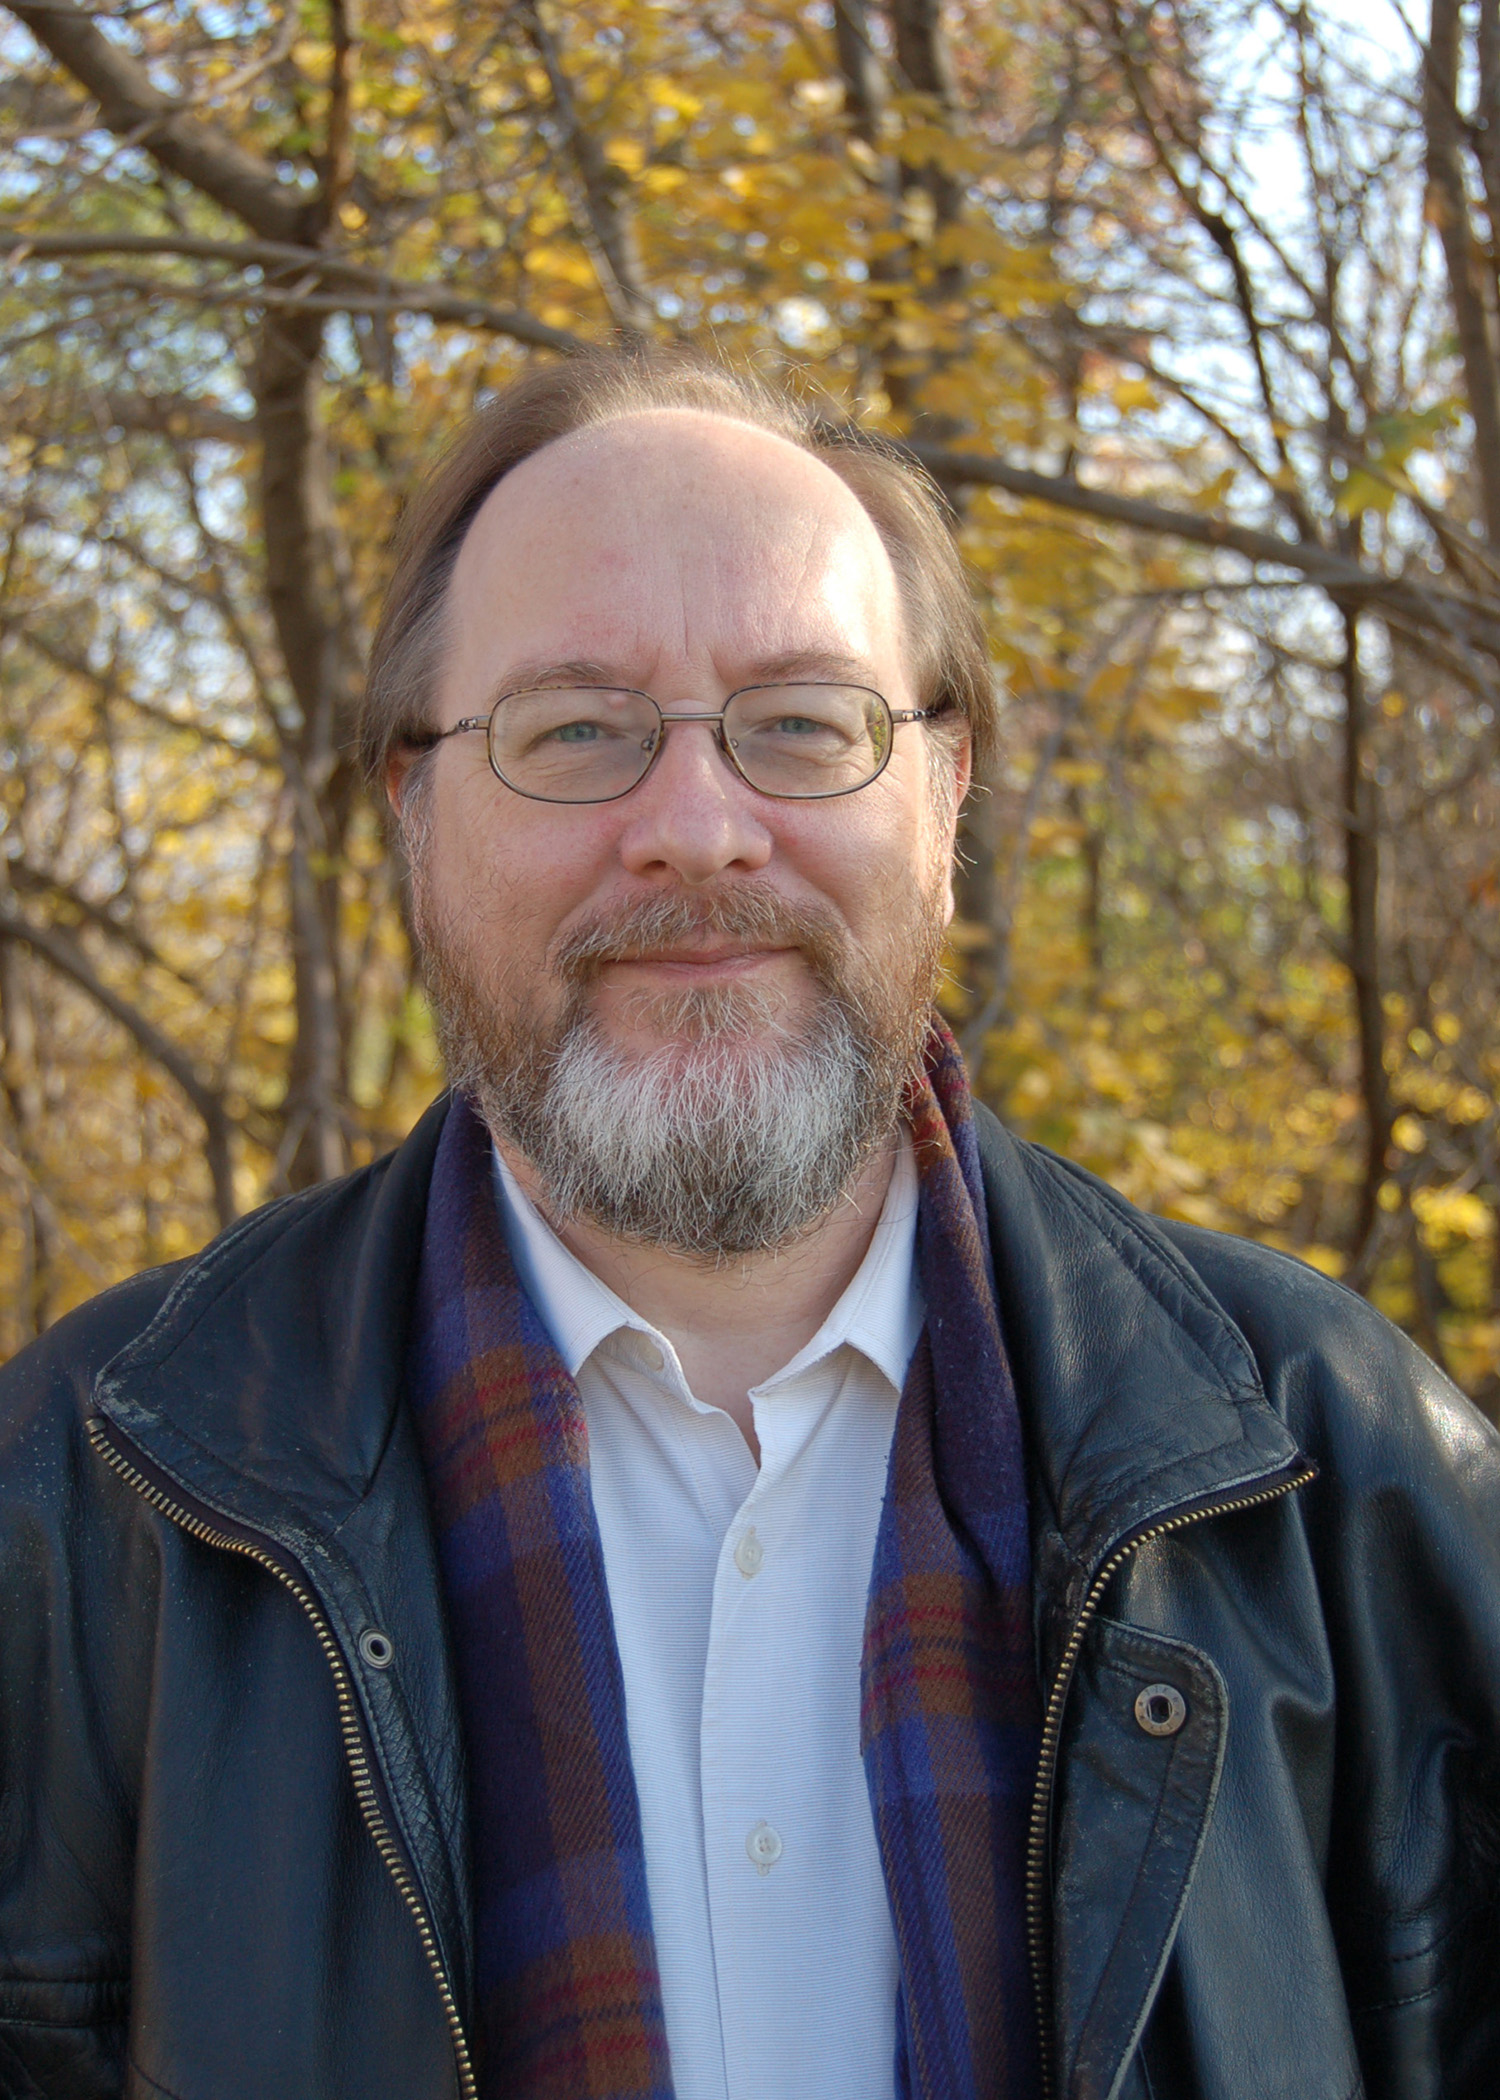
<point>220,1608</point>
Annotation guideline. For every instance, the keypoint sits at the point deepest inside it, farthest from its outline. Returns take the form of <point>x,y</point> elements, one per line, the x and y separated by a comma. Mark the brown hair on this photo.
<point>950,659</point>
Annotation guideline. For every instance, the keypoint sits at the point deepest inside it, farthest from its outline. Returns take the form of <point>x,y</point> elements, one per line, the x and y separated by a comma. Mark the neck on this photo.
<point>736,1322</point>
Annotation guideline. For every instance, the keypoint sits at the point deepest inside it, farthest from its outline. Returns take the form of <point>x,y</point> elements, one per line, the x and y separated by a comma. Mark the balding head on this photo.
<point>683,856</point>
<point>948,656</point>
<point>672,537</point>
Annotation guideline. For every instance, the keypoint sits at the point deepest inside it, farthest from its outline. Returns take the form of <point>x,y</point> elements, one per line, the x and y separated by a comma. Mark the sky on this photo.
<point>1386,31</point>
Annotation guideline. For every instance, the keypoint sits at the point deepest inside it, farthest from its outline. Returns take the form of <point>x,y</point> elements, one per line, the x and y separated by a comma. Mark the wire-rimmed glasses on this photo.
<point>593,743</point>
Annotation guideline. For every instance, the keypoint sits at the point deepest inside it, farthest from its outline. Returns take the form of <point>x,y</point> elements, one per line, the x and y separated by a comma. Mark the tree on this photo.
<point>1218,481</point>
<point>1296,362</point>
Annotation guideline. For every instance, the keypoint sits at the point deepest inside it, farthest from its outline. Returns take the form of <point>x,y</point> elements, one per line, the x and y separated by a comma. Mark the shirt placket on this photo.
<point>751,1823</point>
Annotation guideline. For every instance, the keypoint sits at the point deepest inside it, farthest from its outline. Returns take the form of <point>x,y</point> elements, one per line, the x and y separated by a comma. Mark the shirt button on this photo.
<point>749,1554</point>
<point>764,1847</point>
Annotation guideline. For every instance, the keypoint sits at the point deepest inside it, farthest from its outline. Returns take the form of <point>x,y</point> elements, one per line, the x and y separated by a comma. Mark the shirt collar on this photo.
<point>578,1309</point>
<point>880,1312</point>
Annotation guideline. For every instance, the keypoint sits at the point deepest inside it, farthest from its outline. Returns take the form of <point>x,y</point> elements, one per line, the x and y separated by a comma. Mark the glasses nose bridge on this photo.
<point>714,721</point>
<point>666,715</point>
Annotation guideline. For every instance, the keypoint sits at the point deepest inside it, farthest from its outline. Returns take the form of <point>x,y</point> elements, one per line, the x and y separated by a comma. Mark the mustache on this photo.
<point>754,912</point>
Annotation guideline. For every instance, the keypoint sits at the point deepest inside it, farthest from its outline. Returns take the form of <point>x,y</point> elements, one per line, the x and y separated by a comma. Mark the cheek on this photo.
<point>863,855</point>
<point>465,887</point>
<point>514,869</point>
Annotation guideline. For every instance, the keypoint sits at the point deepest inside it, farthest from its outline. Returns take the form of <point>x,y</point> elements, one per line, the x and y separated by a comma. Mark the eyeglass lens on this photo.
<point>591,743</point>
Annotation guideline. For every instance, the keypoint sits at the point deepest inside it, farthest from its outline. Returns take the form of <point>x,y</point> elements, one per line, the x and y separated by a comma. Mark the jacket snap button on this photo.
<point>376,1649</point>
<point>1161,1709</point>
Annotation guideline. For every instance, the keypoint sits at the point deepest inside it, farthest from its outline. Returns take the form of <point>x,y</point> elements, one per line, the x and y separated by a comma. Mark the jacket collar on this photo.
<point>265,1395</point>
<point>1139,1396</point>
<point>268,1388</point>
<point>271,1374</point>
<point>271,1371</point>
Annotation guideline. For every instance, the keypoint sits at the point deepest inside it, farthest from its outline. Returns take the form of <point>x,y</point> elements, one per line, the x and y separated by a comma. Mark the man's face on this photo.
<point>693,931</point>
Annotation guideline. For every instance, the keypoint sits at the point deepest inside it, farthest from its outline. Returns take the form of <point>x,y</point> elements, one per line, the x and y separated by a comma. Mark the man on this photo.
<point>714,1571</point>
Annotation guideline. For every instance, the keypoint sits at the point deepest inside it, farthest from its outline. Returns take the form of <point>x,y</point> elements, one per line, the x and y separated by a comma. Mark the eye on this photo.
<point>802,729</point>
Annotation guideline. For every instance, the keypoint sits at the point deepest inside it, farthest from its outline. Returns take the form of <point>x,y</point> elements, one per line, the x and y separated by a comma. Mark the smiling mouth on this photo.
<point>696,961</point>
<point>686,941</point>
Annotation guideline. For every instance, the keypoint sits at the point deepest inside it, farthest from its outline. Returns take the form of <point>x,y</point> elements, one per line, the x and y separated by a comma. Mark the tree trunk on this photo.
<point>1471,281</point>
<point>313,621</point>
<point>1362,953</point>
<point>923,62</point>
<point>926,68</point>
<point>864,83</point>
<point>23,1095</point>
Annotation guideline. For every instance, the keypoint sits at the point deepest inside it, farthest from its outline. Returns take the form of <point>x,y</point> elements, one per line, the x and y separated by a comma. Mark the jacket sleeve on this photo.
<point>1403,1527</point>
<point>78,1579</point>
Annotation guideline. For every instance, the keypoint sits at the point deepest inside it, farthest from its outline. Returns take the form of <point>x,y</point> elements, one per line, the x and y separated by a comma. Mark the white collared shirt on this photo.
<point>738,1596</point>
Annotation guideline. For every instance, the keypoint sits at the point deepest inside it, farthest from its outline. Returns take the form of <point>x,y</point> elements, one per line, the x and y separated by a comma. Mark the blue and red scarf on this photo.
<point>568,1997</point>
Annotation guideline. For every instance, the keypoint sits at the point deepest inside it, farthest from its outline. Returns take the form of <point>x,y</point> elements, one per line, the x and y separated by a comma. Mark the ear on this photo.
<point>963,769</point>
<point>963,774</point>
<point>399,762</point>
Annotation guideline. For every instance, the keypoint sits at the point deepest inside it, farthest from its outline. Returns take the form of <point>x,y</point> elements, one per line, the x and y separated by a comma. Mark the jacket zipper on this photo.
<point>349,1724</point>
<point>1037,1845</point>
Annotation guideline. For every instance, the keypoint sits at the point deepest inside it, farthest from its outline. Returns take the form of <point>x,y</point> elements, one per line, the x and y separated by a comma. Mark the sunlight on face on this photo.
<point>693,925</point>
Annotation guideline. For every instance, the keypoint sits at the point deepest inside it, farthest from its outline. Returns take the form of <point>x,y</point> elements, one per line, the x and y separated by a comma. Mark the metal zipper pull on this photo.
<point>1037,1842</point>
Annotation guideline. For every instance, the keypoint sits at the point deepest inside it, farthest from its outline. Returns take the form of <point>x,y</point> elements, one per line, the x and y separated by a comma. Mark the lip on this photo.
<point>696,962</point>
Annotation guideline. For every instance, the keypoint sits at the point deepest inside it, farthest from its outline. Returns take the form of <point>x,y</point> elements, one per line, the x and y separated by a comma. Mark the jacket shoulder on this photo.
<point>1258,1285</point>
<point>54,1376</point>
<point>1336,1370</point>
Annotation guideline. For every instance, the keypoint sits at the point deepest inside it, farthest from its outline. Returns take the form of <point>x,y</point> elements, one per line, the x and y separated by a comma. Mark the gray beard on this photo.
<point>740,1134</point>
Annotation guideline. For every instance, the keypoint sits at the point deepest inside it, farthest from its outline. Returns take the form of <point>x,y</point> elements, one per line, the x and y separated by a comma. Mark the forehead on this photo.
<point>674,531</point>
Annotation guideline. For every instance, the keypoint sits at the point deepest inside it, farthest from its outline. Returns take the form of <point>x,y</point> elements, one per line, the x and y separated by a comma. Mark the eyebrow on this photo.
<point>811,664</point>
<point>523,677</point>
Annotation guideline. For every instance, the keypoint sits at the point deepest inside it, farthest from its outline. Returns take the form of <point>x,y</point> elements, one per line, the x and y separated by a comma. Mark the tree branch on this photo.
<point>131,107</point>
<point>177,416</point>
<point>1485,128</point>
<point>338,143</point>
<point>1164,135</point>
<point>190,417</point>
<point>39,883</point>
<point>111,687</point>
<point>65,955</point>
<point>611,234</point>
<point>859,63</point>
<point>1450,205</point>
<point>1342,578</point>
<point>47,1213</point>
<point>388,294</point>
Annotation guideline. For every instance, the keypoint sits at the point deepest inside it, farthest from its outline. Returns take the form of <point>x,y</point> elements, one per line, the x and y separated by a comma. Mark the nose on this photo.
<point>692,817</point>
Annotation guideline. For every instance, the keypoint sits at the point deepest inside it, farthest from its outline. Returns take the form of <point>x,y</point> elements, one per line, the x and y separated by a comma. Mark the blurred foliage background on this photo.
<point>1191,308</point>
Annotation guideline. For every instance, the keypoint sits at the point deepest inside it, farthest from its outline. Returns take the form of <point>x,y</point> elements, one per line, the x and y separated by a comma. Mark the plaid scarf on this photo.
<point>951,1718</point>
<point>568,2001</point>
